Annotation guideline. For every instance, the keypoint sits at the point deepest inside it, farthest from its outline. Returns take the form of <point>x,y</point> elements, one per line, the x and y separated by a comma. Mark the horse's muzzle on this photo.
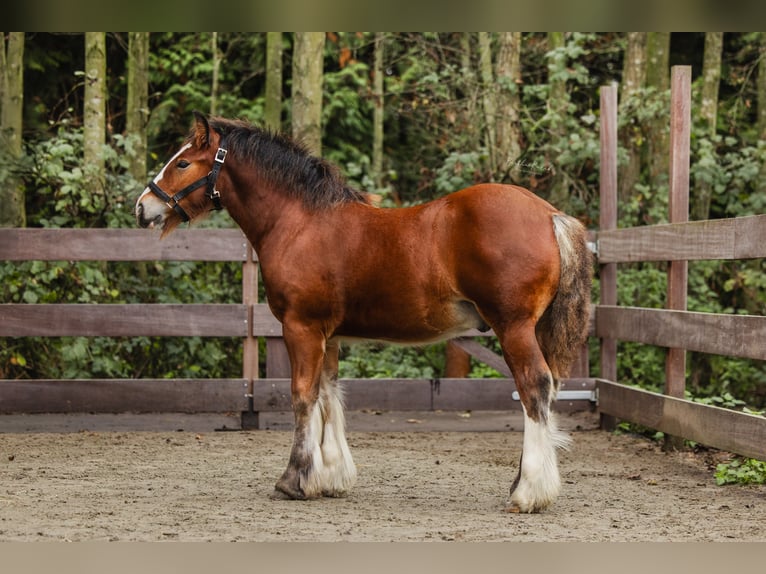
<point>145,222</point>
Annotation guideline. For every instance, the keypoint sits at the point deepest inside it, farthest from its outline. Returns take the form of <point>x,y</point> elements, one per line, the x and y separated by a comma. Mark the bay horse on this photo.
<point>337,268</point>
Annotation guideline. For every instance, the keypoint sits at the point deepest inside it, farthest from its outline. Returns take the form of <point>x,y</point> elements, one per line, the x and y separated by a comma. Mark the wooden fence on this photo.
<point>249,320</point>
<point>674,327</point>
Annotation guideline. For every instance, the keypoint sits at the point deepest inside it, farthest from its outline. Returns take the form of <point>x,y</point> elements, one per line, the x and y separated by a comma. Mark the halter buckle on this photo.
<point>220,155</point>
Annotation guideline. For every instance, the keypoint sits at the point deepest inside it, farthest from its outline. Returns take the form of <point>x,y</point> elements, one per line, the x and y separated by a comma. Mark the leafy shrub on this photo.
<point>741,471</point>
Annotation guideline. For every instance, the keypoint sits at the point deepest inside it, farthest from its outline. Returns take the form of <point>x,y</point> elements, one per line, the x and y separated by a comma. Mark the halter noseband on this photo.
<point>211,193</point>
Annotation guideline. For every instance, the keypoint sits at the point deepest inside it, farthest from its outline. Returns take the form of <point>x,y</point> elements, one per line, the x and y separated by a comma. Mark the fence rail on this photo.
<point>674,327</point>
<point>250,320</point>
<point>31,244</point>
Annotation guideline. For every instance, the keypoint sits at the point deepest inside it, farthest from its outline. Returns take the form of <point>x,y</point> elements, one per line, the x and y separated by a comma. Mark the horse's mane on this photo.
<point>287,164</point>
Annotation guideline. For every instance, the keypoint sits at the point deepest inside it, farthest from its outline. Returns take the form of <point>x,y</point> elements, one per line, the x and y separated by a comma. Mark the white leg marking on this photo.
<point>539,483</point>
<point>332,472</point>
<point>339,469</point>
<point>312,439</point>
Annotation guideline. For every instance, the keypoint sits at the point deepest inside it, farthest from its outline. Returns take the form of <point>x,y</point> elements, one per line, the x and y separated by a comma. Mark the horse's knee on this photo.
<point>536,393</point>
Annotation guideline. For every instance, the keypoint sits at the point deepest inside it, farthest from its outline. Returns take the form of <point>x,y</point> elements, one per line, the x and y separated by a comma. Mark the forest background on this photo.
<point>86,118</point>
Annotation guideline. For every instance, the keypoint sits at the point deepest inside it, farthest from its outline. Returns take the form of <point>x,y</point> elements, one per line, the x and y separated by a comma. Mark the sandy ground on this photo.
<point>430,485</point>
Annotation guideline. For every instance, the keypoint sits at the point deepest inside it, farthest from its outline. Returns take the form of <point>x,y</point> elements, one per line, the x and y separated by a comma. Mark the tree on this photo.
<point>761,99</point>
<point>12,212</point>
<point>273,111</point>
<point>377,128</point>
<point>631,136</point>
<point>508,74</point>
<point>308,53</point>
<point>137,105</point>
<point>708,114</point>
<point>658,80</point>
<point>557,104</point>
<point>94,112</point>
<point>215,74</point>
<point>490,103</point>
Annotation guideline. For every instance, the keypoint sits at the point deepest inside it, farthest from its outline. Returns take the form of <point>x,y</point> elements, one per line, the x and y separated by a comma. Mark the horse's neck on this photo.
<point>262,212</point>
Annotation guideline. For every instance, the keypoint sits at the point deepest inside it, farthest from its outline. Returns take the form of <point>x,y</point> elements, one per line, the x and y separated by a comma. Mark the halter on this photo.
<point>211,193</point>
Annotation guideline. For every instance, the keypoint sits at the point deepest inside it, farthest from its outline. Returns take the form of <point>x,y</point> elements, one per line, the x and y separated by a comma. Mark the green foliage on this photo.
<point>434,144</point>
<point>459,170</point>
<point>53,169</point>
<point>377,361</point>
<point>741,471</point>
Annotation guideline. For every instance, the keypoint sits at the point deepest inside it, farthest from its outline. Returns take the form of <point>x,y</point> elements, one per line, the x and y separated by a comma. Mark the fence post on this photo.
<point>678,206</point>
<point>608,221</point>
<point>250,345</point>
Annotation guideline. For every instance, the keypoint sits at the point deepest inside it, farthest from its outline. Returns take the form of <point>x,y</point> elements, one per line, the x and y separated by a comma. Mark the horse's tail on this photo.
<point>564,326</point>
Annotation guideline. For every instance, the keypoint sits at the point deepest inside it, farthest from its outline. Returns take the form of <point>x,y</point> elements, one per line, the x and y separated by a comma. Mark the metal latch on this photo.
<point>587,395</point>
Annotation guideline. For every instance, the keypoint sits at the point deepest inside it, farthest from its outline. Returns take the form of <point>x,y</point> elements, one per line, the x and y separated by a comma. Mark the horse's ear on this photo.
<point>201,130</point>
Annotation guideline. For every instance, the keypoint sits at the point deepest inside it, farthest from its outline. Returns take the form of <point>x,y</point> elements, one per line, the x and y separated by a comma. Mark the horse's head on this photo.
<point>185,187</point>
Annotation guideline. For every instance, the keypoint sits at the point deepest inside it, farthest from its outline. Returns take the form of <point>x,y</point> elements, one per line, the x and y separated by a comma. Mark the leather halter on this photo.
<point>209,180</point>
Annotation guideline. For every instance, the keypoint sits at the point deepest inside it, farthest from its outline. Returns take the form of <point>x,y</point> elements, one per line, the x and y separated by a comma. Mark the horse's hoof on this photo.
<point>283,491</point>
<point>335,493</point>
<point>525,508</point>
<point>279,495</point>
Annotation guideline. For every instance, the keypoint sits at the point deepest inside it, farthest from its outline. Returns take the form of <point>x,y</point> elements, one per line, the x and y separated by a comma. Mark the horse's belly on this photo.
<point>412,326</point>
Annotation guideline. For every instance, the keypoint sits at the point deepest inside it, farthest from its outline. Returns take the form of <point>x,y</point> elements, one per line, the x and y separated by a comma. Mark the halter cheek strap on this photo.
<point>209,180</point>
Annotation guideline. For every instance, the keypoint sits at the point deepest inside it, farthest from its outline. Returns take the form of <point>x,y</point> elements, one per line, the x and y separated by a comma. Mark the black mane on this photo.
<point>287,165</point>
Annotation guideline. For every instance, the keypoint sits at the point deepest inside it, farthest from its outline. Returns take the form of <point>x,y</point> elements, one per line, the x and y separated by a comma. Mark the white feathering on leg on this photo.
<point>539,482</point>
<point>339,471</point>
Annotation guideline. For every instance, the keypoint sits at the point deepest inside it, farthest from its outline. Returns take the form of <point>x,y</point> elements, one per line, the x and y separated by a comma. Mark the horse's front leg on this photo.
<point>320,462</point>
<point>339,471</point>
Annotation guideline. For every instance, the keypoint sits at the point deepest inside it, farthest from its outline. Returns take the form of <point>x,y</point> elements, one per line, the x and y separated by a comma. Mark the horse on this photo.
<point>337,268</point>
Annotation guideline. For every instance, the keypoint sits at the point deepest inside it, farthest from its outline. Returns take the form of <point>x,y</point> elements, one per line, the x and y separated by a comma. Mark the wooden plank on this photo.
<point>678,208</point>
<point>719,428</point>
<point>359,394</point>
<point>123,395</point>
<point>250,299</point>
<point>497,395</point>
<point>735,238</point>
<point>732,335</point>
<point>265,324</point>
<point>32,244</point>
<point>419,394</point>
<point>608,216</point>
<point>59,320</point>
<point>475,395</point>
<point>277,359</point>
<point>150,320</point>
<point>483,354</point>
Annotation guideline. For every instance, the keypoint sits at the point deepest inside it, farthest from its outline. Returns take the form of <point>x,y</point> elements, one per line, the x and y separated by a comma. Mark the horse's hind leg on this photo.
<point>320,462</point>
<point>538,483</point>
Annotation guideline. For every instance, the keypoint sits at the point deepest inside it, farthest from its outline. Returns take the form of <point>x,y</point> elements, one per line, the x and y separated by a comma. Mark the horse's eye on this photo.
<point>183,164</point>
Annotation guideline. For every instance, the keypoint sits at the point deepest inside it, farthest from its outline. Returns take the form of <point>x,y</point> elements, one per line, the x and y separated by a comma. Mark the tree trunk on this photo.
<point>12,212</point>
<point>468,123</point>
<point>137,112</point>
<point>761,102</point>
<point>273,111</point>
<point>658,77</point>
<point>558,100</point>
<point>708,114</point>
<point>216,70</point>
<point>633,80</point>
<point>94,114</point>
<point>377,119</point>
<point>490,105</point>
<point>508,74</point>
<point>308,53</point>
